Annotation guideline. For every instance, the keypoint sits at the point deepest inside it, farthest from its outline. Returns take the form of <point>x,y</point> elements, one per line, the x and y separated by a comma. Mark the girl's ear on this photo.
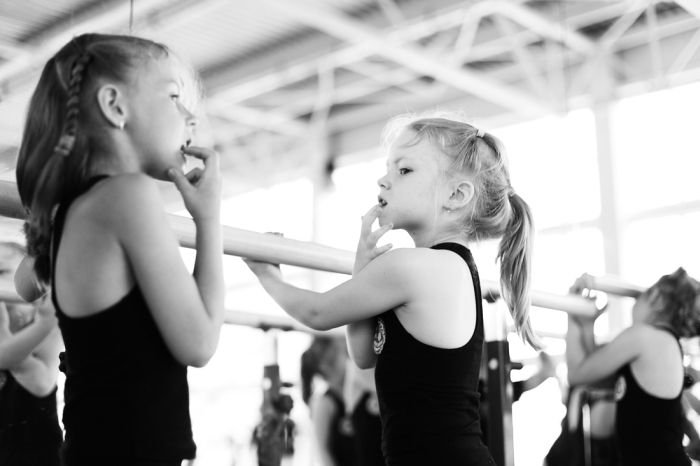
<point>110,100</point>
<point>461,195</point>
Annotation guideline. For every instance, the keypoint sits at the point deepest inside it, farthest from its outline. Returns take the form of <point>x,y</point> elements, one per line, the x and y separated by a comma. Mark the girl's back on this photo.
<point>125,396</point>
<point>428,395</point>
<point>90,249</point>
<point>649,416</point>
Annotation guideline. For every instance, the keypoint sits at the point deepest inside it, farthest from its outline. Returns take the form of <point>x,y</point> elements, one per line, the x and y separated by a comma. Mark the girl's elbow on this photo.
<point>196,358</point>
<point>315,320</point>
<point>197,355</point>
<point>198,361</point>
<point>45,386</point>
<point>366,363</point>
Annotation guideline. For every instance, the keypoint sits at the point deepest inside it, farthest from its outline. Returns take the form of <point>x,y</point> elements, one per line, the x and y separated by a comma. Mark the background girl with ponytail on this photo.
<point>415,313</point>
<point>108,116</point>
<point>647,360</point>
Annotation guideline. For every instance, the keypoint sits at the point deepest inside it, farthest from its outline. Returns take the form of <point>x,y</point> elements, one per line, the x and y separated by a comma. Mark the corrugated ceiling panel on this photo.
<point>229,31</point>
<point>19,20</point>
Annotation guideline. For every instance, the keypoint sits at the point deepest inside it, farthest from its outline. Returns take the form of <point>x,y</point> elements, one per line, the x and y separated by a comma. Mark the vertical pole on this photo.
<point>610,215</point>
<point>500,389</point>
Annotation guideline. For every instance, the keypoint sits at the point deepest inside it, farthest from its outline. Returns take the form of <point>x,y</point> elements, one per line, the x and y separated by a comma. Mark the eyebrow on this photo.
<point>179,84</point>
<point>400,159</point>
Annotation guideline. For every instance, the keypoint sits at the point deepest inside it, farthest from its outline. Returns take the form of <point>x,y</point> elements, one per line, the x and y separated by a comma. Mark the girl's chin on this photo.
<point>383,220</point>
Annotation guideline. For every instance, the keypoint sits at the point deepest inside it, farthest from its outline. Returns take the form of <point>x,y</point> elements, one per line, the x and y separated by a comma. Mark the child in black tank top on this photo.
<point>109,116</point>
<point>648,360</point>
<point>333,435</point>
<point>416,313</point>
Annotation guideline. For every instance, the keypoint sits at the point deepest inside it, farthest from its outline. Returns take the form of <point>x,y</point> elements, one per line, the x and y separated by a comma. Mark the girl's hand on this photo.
<point>584,286</point>
<point>200,187</point>
<point>367,249</point>
<point>264,270</point>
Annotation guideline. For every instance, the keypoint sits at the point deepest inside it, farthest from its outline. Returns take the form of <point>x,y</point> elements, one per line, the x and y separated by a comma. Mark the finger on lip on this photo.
<point>195,151</point>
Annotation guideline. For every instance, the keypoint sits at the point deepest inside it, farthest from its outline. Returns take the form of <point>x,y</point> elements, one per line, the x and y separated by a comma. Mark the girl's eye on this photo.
<point>404,171</point>
<point>175,97</point>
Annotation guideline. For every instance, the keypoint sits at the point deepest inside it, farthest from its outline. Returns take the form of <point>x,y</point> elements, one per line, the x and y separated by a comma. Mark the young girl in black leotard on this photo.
<point>332,428</point>
<point>416,313</point>
<point>648,359</point>
<point>109,116</point>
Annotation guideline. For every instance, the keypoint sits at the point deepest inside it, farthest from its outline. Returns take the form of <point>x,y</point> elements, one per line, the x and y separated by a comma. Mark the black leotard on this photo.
<point>126,397</point>
<point>29,431</point>
<point>649,429</point>
<point>428,396</point>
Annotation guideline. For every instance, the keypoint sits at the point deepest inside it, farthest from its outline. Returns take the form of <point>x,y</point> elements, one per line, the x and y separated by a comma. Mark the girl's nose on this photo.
<point>190,119</point>
<point>383,182</point>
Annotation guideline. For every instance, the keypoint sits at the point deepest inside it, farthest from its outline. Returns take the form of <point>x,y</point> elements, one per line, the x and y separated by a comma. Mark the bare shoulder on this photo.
<point>119,196</point>
<point>420,263</point>
<point>637,337</point>
<point>128,188</point>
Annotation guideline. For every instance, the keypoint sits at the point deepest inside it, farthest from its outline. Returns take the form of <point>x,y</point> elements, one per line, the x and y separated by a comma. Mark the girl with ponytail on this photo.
<point>415,314</point>
<point>108,117</point>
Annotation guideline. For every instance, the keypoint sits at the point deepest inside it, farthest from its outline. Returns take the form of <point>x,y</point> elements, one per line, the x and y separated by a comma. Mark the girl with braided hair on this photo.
<point>647,359</point>
<point>108,117</point>
<point>415,313</point>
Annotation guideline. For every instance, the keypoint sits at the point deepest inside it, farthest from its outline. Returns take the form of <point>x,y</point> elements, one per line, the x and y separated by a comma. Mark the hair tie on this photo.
<point>480,133</point>
<point>65,145</point>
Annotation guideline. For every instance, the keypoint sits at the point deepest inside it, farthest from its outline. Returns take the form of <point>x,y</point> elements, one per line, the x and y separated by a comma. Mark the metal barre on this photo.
<point>277,249</point>
<point>612,285</point>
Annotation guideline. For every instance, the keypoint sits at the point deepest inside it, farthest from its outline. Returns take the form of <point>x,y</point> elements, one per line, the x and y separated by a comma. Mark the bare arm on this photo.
<point>587,368</point>
<point>188,311</point>
<point>38,373</point>
<point>580,341</point>
<point>360,335</point>
<point>385,283</point>
<point>16,348</point>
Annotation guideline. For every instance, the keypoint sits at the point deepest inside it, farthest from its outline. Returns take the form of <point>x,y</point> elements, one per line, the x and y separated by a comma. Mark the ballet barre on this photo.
<point>280,250</point>
<point>612,285</point>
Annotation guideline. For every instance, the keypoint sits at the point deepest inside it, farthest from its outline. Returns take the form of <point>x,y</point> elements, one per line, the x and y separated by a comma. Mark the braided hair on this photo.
<point>62,136</point>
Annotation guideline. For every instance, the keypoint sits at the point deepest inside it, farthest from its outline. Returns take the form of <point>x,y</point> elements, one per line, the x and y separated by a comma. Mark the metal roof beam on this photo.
<point>271,121</point>
<point>539,24</point>
<point>269,81</point>
<point>107,17</point>
<point>411,57</point>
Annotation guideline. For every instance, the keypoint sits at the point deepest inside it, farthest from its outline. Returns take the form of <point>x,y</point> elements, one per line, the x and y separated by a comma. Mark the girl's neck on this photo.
<point>428,240</point>
<point>661,324</point>
<point>115,160</point>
